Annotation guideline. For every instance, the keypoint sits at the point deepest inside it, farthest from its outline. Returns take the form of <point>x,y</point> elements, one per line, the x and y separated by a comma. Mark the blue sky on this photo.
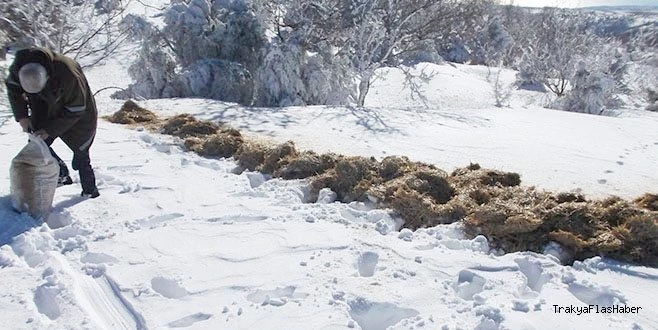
<point>581,3</point>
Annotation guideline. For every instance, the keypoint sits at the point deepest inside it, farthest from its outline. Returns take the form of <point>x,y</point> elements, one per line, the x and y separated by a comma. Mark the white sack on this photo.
<point>33,174</point>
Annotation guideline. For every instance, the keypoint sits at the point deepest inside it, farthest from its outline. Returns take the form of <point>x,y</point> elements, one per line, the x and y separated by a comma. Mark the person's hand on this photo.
<point>25,124</point>
<point>42,134</point>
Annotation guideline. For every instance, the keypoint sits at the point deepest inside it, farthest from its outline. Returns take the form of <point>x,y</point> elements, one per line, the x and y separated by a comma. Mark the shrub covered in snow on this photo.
<point>559,42</point>
<point>492,42</point>
<point>652,97</point>
<point>567,57</point>
<point>454,49</point>
<point>591,92</point>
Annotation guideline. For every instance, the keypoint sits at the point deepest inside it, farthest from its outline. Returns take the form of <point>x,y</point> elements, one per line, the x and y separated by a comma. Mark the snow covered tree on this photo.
<point>279,81</point>
<point>453,48</point>
<point>492,43</point>
<point>464,37</point>
<point>215,79</point>
<point>379,33</point>
<point>206,48</point>
<point>641,43</point>
<point>517,22</point>
<point>564,55</point>
<point>289,75</point>
<point>154,70</point>
<point>79,29</point>
<point>590,92</point>
<point>559,43</point>
<point>307,51</point>
<point>300,66</point>
<point>208,29</point>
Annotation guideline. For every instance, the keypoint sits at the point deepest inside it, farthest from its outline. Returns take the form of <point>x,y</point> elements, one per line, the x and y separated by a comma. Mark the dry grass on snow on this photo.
<point>488,202</point>
<point>132,113</point>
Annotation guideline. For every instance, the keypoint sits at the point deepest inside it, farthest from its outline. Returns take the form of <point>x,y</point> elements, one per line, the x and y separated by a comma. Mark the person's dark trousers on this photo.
<point>63,169</point>
<point>82,164</point>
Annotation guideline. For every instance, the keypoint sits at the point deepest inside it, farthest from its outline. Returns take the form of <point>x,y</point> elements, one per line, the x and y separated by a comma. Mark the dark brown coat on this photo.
<point>65,108</point>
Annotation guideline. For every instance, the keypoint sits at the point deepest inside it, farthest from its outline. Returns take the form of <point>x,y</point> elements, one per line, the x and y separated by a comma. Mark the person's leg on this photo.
<point>82,163</point>
<point>64,175</point>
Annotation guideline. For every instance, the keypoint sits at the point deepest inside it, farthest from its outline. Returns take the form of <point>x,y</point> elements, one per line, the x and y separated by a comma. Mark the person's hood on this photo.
<point>39,55</point>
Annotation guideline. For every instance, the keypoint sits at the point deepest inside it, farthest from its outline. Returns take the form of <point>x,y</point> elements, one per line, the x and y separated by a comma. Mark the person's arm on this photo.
<point>16,97</point>
<point>25,124</point>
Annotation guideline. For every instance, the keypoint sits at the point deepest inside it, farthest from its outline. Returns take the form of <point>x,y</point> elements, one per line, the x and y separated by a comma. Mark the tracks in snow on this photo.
<point>100,298</point>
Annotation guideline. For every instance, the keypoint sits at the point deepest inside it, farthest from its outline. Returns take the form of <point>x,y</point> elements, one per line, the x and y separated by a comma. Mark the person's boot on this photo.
<point>91,194</point>
<point>64,181</point>
<point>64,177</point>
<point>82,164</point>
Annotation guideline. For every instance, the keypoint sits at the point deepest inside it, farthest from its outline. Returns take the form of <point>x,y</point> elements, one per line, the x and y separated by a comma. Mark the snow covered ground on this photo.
<point>179,241</point>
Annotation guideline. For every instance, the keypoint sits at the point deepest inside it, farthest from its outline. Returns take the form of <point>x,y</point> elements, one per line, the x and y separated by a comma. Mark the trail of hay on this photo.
<point>490,203</point>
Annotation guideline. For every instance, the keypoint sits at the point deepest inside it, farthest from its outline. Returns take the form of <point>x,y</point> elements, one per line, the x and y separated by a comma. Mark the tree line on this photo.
<point>304,52</point>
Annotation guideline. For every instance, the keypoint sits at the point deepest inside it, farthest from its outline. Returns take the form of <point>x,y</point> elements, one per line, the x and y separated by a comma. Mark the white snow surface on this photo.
<point>180,241</point>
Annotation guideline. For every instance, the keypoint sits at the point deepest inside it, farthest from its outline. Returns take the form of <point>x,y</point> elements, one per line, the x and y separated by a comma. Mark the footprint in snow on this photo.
<point>109,180</point>
<point>469,284</point>
<point>533,270</point>
<point>238,218</point>
<point>591,294</point>
<point>276,297</point>
<point>151,222</point>
<point>154,221</point>
<point>45,298</point>
<point>367,263</point>
<point>189,320</point>
<point>374,315</point>
<point>168,288</point>
<point>98,258</point>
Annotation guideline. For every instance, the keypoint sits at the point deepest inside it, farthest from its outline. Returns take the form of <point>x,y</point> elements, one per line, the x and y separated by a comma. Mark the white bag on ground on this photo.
<point>33,179</point>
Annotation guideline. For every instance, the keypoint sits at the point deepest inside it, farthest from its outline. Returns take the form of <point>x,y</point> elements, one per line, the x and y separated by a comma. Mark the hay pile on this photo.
<point>131,113</point>
<point>185,126</point>
<point>203,137</point>
<point>306,164</point>
<point>648,201</point>
<point>488,202</point>
<point>520,219</point>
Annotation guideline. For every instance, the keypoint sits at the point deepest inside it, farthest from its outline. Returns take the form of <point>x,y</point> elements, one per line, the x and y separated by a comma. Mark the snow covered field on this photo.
<point>179,241</point>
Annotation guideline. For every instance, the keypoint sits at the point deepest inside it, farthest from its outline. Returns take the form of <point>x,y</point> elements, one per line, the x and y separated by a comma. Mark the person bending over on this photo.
<point>50,96</point>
